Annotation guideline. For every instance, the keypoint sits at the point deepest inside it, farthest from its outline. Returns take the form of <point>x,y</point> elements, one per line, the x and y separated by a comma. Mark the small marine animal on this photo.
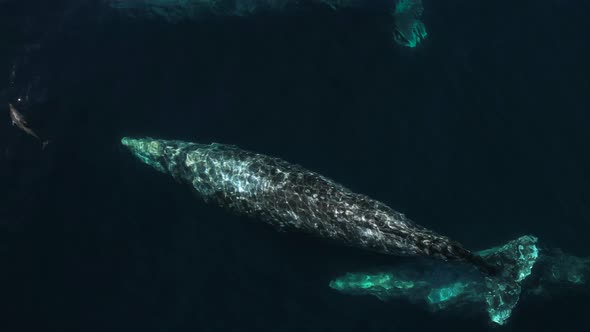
<point>19,120</point>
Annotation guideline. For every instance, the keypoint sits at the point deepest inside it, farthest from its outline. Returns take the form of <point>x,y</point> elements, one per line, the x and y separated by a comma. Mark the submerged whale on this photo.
<point>408,31</point>
<point>290,197</point>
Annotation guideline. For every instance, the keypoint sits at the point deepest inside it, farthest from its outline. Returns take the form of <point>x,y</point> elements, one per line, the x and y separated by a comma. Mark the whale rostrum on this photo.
<point>292,198</point>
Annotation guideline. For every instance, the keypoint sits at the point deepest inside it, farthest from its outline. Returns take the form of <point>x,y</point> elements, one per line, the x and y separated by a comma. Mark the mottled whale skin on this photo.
<point>290,197</point>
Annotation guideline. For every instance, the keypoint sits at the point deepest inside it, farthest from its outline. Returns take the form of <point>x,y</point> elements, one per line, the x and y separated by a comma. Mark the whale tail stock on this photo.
<point>441,247</point>
<point>487,268</point>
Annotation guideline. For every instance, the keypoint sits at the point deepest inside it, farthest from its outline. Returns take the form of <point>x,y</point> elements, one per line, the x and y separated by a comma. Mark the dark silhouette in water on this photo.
<point>19,120</point>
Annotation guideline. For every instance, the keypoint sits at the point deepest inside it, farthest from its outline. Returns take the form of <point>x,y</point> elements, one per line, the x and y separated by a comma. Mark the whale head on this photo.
<point>150,151</point>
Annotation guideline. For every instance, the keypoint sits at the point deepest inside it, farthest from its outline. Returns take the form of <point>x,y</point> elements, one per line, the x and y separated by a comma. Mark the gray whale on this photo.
<point>290,197</point>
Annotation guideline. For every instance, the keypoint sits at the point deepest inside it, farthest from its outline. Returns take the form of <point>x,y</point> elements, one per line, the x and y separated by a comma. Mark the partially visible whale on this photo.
<point>290,197</point>
<point>408,31</point>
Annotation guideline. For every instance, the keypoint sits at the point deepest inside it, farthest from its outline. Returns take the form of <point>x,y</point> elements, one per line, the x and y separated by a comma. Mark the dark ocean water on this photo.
<point>482,133</point>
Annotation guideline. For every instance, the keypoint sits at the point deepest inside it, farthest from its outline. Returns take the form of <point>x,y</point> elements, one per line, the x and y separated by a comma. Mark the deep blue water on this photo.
<point>482,133</point>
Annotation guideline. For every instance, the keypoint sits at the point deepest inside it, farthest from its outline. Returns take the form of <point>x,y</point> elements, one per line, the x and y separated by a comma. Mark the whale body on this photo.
<point>292,198</point>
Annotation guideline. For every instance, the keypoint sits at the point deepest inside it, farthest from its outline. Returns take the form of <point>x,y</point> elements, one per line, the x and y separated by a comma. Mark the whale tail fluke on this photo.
<point>511,264</point>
